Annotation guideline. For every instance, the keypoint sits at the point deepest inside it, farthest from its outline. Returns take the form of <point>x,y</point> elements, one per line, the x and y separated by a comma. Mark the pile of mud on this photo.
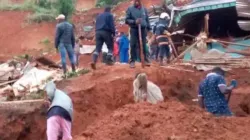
<point>104,108</point>
<point>167,121</point>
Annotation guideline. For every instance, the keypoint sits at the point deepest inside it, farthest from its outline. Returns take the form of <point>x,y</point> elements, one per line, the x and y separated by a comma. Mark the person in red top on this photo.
<point>116,50</point>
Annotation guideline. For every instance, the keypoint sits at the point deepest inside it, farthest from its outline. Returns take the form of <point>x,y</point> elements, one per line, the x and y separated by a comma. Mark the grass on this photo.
<point>76,74</point>
<point>45,41</point>
<point>35,95</point>
<point>39,13</point>
<point>48,45</point>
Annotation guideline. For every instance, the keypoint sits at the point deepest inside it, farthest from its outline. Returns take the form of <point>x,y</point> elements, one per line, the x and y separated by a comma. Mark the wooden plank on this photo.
<point>8,82</point>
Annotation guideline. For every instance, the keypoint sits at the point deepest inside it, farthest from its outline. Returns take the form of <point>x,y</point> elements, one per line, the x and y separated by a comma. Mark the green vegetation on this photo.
<point>45,41</point>
<point>101,3</point>
<point>76,74</point>
<point>43,10</point>
<point>48,45</point>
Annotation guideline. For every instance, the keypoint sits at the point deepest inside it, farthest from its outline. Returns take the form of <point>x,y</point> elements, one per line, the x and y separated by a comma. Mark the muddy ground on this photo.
<point>103,101</point>
<point>104,109</point>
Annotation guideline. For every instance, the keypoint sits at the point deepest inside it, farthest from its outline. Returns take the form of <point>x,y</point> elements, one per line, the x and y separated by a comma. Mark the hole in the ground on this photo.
<point>99,100</point>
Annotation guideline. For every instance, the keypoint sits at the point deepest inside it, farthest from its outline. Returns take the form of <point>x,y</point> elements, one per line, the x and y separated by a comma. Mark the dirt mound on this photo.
<point>167,121</point>
<point>18,37</point>
<point>85,4</point>
<point>25,122</point>
<point>98,94</point>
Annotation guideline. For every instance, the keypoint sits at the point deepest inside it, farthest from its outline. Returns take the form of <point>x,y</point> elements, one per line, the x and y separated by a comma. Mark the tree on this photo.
<point>66,7</point>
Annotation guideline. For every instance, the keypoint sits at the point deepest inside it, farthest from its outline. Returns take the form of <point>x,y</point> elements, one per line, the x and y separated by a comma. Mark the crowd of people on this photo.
<point>212,89</point>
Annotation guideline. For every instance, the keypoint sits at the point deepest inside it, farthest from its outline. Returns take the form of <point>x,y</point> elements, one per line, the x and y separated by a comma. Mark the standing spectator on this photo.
<point>116,50</point>
<point>105,32</point>
<point>65,42</point>
<point>135,15</point>
<point>124,47</point>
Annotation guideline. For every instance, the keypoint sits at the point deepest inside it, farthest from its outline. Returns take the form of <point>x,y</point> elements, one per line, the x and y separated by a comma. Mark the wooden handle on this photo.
<point>141,46</point>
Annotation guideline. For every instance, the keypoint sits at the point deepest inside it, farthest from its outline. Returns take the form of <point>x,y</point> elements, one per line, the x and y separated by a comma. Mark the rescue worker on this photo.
<point>145,90</point>
<point>105,32</point>
<point>162,37</point>
<point>59,115</point>
<point>65,42</point>
<point>212,92</point>
<point>135,15</point>
<point>123,47</point>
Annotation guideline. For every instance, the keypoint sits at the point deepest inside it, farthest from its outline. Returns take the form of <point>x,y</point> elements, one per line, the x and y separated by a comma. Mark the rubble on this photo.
<point>20,78</point>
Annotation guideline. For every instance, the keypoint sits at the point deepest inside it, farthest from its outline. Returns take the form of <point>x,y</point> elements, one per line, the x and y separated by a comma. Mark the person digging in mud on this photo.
<point>105,32</point>
<point>59,115</point>
<point>145,90</point>
<point>212,92</point>
<point>162,37</point>
<point>135,15</point>
<point>65,42</point>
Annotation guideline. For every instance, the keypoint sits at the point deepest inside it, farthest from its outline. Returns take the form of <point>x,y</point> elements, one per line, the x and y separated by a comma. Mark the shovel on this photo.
<point>141,47</point>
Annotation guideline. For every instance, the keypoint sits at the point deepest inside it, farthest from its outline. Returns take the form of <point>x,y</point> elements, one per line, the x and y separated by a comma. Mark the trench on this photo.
<point>95,102</point>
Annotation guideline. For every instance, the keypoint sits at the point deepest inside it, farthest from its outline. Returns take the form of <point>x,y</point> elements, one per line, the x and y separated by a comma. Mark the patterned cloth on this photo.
<point>214,100</point>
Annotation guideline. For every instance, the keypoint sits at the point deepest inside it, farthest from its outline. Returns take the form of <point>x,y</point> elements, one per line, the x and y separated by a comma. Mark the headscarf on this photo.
<point>50,89</point>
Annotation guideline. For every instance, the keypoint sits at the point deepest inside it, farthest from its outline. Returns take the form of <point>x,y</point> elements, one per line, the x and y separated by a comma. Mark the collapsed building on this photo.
<point>227,17</point>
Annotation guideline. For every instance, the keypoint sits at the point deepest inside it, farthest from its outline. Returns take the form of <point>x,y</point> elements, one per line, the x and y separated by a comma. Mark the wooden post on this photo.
<point>141,47</point>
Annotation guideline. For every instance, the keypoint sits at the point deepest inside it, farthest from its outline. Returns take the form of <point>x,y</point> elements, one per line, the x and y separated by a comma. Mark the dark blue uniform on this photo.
<point>105,30</point>
<point>160,27</point>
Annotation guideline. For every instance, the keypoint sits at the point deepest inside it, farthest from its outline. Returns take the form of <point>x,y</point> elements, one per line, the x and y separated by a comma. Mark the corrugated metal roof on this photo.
<point>199,6</point>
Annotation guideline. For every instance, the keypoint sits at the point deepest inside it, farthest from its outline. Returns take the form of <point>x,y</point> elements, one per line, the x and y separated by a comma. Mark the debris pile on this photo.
<point>20,77</point>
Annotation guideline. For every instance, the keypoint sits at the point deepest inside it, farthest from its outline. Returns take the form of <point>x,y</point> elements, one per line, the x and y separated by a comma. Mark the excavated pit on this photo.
<point>96,96</point>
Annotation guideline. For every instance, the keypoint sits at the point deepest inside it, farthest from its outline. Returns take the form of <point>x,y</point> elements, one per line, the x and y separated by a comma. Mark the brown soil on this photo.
<point>85,4</point>
<point>103,101</point>
<point>99,98</point>
<point>167,121</point>
<point>18,37</point>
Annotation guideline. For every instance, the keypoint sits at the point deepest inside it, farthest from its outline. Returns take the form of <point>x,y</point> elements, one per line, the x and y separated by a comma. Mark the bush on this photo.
<point>44,10</point>
<point>101,3</point>
<point>66,7</point>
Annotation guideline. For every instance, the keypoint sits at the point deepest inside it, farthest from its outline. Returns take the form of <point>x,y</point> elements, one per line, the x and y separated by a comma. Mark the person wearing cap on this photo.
<point>65,42</point>
<point>162,36</point>
<point>212,92</point>
<point>60,113</point>
<point>137,15</point>
<point>105,32</point>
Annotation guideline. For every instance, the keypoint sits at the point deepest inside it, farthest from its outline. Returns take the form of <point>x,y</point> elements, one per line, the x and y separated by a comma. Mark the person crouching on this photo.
<point>59,115</point>
<point>145,90</point>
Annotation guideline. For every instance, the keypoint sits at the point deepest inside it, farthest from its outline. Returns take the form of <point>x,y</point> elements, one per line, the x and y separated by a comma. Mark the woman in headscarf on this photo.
<point>145,90</point>
<point>59,115</point>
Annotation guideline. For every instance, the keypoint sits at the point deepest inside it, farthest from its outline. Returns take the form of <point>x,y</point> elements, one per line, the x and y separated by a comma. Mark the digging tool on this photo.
<point>173,47</point>
<point>141,47</point>
<point>229,96</point>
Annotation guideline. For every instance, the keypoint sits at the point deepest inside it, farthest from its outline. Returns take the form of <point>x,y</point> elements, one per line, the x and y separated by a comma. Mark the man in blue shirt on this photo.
<point>212,92</point>
<point>65,42</point>
<point>105,32</point>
